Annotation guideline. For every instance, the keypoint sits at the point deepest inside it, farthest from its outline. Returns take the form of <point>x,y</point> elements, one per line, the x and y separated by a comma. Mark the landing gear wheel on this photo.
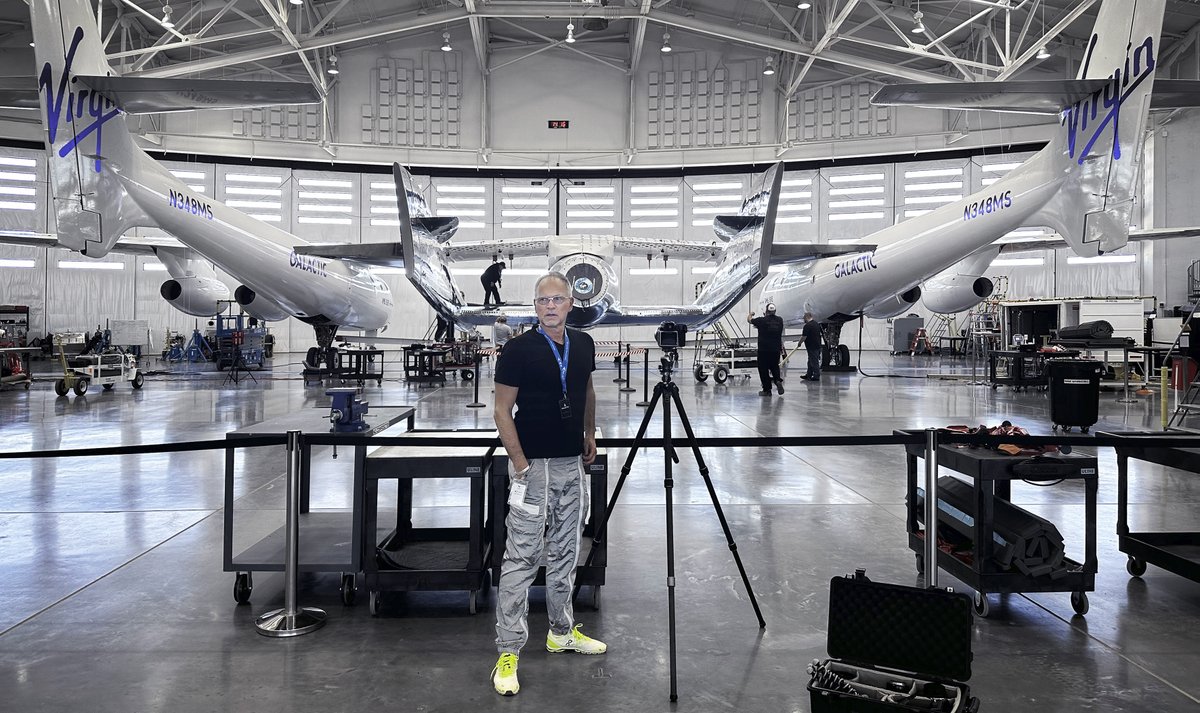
<point>698,372</point>
<point>920,563</point>
<point>1079,602</point>
<point>596,597</point>
<point>373,602</point>
<point>980,603</point>
<point>826,355</point>
<point>1135,566</point>
<point>843,355</point>
<point>467,374</point>
<point>81,386</point>
<point>60,387</point>
<point>138,380</point>
<point>720,375</point>
<point>349,589</point>
<point>108,387</point>
<point>473,602</point>
<point>243,585</point>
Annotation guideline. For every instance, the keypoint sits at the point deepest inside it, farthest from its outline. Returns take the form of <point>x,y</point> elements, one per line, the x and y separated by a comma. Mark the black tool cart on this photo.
<point>1074,393</point>
<point>894,648</point>
<point>1177,552</point>
<point>1006,562</point>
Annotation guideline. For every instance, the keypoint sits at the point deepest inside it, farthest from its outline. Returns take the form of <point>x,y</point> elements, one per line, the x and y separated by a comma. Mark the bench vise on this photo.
<point>346,412</point>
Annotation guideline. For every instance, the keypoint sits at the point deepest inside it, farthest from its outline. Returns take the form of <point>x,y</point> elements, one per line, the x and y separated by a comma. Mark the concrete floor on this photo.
<point>114,598</point>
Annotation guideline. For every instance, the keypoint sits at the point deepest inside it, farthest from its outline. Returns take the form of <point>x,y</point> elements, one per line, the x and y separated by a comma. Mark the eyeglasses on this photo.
<point>556,299</point>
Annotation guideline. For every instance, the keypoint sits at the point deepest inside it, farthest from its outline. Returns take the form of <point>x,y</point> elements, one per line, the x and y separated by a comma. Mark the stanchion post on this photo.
<point>476,403</point>
<point>291,620</point>
<point>1162,392</point>
<point>931,508</point>
<point>1125,391</point>
<point>628,387</point>
<point>620,379</point>
<point>645,379</point>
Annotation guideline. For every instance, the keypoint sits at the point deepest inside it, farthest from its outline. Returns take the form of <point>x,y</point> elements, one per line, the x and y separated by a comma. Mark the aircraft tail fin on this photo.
<point>86,135</point>
<point>1098,148</point>
<point>425,263</point>
<point>747,255</point>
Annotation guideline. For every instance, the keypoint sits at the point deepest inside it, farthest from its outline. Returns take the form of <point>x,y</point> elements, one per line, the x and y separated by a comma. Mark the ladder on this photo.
<point>943,326</point>
<point>1187,409</point>
<point>919,338</point>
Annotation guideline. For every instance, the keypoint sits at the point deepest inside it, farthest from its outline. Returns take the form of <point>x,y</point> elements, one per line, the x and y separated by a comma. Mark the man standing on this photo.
<point>811,333</point>
<point>546,373</point>
<point>770,348</point>
<point>501,333</point>
<point>491,282</point>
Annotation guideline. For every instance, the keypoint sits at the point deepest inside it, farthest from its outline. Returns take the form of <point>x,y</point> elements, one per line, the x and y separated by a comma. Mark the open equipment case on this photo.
<point>894,648</point>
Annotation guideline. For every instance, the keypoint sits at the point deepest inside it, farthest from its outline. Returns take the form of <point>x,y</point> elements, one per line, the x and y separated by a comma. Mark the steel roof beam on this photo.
<point>1055,31</point>
<point>830,33</point>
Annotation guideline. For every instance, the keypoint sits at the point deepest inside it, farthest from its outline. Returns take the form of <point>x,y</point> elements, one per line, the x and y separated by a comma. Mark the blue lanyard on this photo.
<point>563,359</point>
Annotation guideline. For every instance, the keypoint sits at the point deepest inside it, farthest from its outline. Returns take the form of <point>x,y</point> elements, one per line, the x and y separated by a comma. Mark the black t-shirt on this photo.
<point>770,332</point>
<point>492,274</point>
<point>812,334</point>
<point>528,364</point>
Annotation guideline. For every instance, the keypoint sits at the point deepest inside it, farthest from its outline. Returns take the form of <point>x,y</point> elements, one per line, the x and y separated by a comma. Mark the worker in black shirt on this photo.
<point>546,373</point>
<point>770,348</point>
<point>491,282</point>
<point>811,334</point>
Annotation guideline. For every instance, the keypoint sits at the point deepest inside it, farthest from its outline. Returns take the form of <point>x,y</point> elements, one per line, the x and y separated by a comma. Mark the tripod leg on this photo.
<point>669,486</point>
<point>628,465</point>
<point>712,494</point>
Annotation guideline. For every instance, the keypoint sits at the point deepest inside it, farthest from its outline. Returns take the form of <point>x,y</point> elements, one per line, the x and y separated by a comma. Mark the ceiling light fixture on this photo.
<point>570,33</point>
<point>1043,52</point>
<point>666,45</point>
<point>804,5</point>
<point>769,69</point>
<point>332,65</point>
<point>446,41</point>
<point>296,2</point>
<point>919,27</point>
<point>166,18</point>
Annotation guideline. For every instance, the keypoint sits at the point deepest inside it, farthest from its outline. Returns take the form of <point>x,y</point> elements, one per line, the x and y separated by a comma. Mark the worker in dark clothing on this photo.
<point>811,334</point>
<point>770,348</point>
<point>491,282</point>
<point>445,330</point>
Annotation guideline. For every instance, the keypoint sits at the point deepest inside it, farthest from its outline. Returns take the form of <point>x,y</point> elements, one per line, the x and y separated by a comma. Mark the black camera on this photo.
<point>671,335</point>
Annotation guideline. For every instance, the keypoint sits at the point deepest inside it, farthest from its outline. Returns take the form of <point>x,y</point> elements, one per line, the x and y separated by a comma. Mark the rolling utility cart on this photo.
<point>724,362</point>
<point>330,541</point>
<point>429,558</point>
<point>1020,369</point>
<point>991,474</point>
<point>1177,552</point>
<point>423,365</point>
<point>590,575</point>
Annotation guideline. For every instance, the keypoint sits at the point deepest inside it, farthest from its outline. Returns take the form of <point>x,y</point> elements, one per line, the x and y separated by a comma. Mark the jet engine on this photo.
<point>258,306</point>
<point>197,296</point>
<point>958,293</point>
<point>593,285</point>
<point>894,306</point>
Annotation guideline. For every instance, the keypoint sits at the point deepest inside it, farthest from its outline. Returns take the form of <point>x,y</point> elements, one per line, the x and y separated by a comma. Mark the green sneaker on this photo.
<point>574,640</point>
<point>504,675</point>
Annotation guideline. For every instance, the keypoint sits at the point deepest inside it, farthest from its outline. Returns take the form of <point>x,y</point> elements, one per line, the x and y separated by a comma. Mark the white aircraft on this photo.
<point>1081,185</point>
<point>104,185</point>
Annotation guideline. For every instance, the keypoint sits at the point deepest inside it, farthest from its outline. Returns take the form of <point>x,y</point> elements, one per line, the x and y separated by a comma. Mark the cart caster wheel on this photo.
<point>81,387</point>
<point>1079,602</point>
<point>1054,428</point>
<point>108,387</point>
<point>373,603</point>
<point>698,372</point>
<point>596,597</point>
<point>1135,566</point>
<point>138,380</point>
<point>349,590</point>
<point>980,602</point>
<point>995,386</point>
<point>467,375</point>
<point>720,375</point>
<point>243,585</point>
<point>920,563</point>
<point>1083,429</point>
<point>473,602</point>
<point>60,387</point>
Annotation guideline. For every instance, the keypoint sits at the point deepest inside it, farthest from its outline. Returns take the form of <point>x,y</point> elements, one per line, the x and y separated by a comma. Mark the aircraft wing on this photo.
<point>1023,97</point>
<point>148,95</point>
<point>486,249</point>
<point>128,244</point>
<point>373,254</point>
<point>677,249</point>
<point>1053,242</point>
<point>791,253</point>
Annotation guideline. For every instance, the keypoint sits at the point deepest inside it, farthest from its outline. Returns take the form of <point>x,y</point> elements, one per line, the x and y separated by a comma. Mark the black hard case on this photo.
<point>888,632</point>
<point>1074,392</point>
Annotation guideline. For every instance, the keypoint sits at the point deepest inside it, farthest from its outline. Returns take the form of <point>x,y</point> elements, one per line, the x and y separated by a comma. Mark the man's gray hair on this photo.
<point>552,276</point>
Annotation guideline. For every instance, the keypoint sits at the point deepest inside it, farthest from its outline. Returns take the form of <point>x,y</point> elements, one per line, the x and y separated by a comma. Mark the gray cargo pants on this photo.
<point>556,504</point>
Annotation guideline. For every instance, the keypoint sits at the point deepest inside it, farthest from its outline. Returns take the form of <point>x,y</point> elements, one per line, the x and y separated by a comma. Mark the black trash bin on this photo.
<point>1074,393</point>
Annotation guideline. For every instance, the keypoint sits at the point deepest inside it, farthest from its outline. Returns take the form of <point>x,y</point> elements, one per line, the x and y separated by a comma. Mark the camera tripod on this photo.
<point>666,392</point>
